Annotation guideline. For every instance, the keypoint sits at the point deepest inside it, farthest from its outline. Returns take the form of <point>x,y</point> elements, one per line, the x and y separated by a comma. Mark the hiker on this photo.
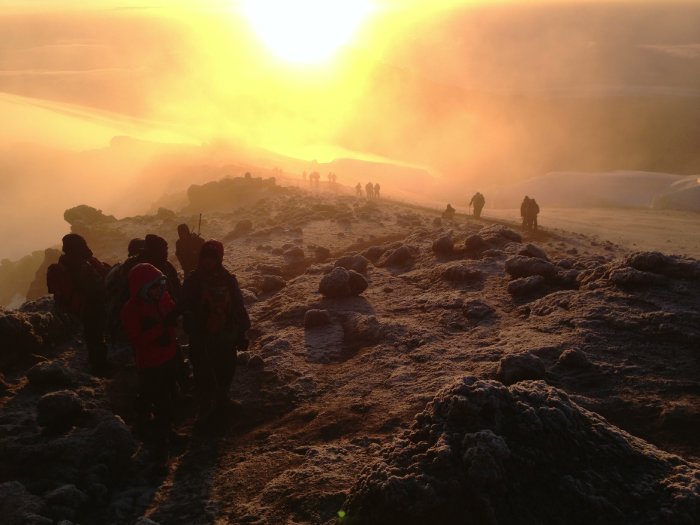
<point>369,190</point>
<point>187,248</point>
<point>150,318</point>
<point>534,211</point>
<point>376,190</point>
<point>156,253</point>
<point>136,246</point>
<point>358,190</point>
<point>216,322</point>
<point>478,202</point>
<point>77,284</point>
<point>449,213</point>
<point>116,287</point>
<point>528,214</point>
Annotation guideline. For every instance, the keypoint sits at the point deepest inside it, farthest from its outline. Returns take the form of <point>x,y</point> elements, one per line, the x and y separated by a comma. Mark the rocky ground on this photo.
<point>402,370</point>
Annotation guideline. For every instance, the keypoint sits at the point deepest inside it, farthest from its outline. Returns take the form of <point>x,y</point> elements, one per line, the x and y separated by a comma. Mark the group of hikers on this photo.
<point>143,302</point>
<point>529,209</point>
<point>371,190</point>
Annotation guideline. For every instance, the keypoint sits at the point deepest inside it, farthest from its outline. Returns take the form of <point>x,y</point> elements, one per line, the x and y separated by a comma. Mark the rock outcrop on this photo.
<point>484,453</point>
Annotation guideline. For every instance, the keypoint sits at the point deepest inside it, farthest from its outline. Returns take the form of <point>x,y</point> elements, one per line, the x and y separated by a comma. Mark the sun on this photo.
<point>306,31</point>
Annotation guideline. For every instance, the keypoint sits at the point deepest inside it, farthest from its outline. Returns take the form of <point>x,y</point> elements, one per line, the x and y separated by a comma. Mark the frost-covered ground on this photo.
<point>482,377</point>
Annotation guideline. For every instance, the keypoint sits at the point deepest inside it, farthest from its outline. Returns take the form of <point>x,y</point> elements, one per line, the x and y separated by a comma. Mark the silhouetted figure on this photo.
<point>376,190</point>
<point>369,190</point>
<point>187,248</point>
<point>358,190</point>
<point>449,213</point>
<point>156,253</point>
<point>534,211</point>
<point>216,321</point>
<point>150,319</point>
<point>136,246</point>
<point>77,284</point>
<point>528,211</point>
<point>117,287</point>
<point>478,202</point>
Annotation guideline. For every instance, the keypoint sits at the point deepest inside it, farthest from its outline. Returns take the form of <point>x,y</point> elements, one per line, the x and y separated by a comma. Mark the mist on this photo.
<point>479,96</point>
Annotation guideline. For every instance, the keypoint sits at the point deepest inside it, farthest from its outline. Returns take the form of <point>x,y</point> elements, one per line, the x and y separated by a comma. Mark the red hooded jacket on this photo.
<point>144,322</point>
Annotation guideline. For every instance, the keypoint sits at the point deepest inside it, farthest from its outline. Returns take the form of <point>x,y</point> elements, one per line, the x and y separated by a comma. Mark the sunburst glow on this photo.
<point>306,31</point>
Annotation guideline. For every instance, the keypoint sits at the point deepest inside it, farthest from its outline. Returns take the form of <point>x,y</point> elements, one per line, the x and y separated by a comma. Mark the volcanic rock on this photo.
<point>521,266</point>
<point>475,244</point>
<point>322,253</point>
<point>531,250</point>
<point>443,245</point>
<point>353,262</point>
<point>50,374</point>
<point>58,410</point>
<point>17,504</point>
<point>572,358</point>
<point>477,309</point>
<point>373,253</point>
<point>519,367</point>
<point>525,285</point>
<point>458,272</point>
<point>483,453</point>
<point>400,256</point>
<point>342,283</point>
<point>272,283</point>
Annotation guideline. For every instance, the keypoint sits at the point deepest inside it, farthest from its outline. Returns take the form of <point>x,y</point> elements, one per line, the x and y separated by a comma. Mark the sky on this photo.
<point>470,91</point>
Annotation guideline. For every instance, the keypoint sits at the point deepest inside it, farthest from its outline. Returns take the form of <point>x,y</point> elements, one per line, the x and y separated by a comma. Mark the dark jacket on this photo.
<point>212,304</point>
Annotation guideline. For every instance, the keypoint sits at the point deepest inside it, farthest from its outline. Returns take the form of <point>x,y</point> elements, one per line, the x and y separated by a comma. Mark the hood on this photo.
<point>141,277</point>
<point>156,248</point>
<point>74,245</point>
<point>212,249</point>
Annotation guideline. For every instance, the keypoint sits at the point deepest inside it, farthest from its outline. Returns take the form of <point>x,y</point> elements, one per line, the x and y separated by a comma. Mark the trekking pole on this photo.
<point>199,228</point>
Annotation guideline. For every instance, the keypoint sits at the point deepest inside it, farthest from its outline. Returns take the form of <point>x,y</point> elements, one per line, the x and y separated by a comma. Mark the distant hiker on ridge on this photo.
<point>449,213</point>
<point>369,190</point>
<point>358,190</point>
<point>376,190</point>
<point>478,202</point>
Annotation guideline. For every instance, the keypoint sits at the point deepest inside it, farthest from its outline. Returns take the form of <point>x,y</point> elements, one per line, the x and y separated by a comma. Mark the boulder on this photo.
<point>459,272</point>
<point>477,309</point>
<point>373,253</point>
<point>17,504</point>
<point>342,283</point>
<point>50,374</point>
<point>443,245</point>
<point>353,262</point>
<point>519,367</point>
<point>481,452</point>
<point>314,318</point>
<point>573,358</point>
<point>19,339</point>
<point>249,297</point>
<point>65,501</point>
<point>522,266</point>
<point>531,250</point>
<point>59,410</point>
<point>658,263</point>
<point>632,278</point>
<point>475,244</point>
<point>525,285</point>
<point>400,256</point>
<point>272,283</point>
<point>498,234</point>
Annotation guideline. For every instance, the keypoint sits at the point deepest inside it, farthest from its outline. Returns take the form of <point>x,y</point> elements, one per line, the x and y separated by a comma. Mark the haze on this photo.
<point>475,92</point>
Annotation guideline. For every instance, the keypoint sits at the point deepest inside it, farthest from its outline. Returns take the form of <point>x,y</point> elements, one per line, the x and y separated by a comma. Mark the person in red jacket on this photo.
<point>150,318</point>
